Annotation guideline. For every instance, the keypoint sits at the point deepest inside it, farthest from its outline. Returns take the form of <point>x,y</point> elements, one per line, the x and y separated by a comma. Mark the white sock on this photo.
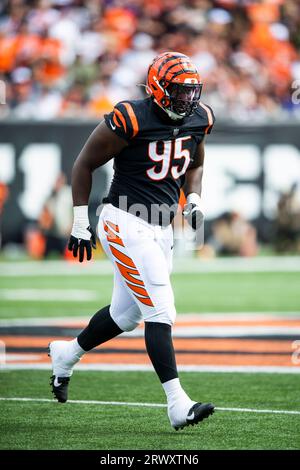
<point>75,351</point>
<point>174,391</point>
<point>65,354</point>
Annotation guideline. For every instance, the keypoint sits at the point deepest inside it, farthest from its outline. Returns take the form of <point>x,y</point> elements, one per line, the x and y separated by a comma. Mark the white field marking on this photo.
<point>144,405</point>
<point>221,331</point>
<point>181,265</point>
<point>87,402</point>
<point>238,264</point>
<point>21,357</point>
<point>148,368</point>
<point>55,268</point>
<point>239,316</point>
<point>181,317</point>
<point>251,410</point>
<point>65,295</point>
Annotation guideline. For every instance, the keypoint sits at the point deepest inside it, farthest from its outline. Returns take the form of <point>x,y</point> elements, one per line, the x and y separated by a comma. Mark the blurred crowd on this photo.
<point>228,235</point>
<point>287,223</point>
<point>77,58</point>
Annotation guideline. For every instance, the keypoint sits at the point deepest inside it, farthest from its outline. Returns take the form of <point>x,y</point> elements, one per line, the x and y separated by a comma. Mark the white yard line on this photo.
<point>239,265</point>
<point>65,295</point>
<point>216,331</point>
<point>20,357</point>
<point>181,265</point>
<point>181,317</point>
<point>149,368</point>
<point>144,405</point>
<point>54,268</point>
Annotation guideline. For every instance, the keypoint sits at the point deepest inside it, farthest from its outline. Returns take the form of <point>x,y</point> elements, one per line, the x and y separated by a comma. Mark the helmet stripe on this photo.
<point>176,63</point>
<point>169,69</point>
<point>176,74</point>
<point>168,59</point>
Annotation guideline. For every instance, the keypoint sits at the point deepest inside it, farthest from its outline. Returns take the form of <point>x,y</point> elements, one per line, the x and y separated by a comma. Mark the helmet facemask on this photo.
<point>182,99</point>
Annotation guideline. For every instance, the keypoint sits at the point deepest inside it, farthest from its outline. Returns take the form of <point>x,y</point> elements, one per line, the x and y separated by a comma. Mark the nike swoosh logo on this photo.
<point>191,417</point>
<point>56,383</point>
<point>112,126</point>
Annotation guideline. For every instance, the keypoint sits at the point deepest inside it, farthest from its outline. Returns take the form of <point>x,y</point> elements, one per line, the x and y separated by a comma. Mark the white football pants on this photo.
<point>142,258</point>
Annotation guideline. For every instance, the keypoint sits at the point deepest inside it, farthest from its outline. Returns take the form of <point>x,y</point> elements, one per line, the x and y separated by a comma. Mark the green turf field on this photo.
<point>197,292</point>
<point>86,426</point>
<point>36,425</point>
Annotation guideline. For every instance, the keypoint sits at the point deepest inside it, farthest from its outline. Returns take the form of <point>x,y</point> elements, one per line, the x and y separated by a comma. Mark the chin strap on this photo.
<point>171,114</point>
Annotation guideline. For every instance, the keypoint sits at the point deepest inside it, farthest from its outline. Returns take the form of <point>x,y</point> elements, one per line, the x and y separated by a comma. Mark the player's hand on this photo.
<point>193,215</point>
<point>192,211</point>
<point>82,238</point>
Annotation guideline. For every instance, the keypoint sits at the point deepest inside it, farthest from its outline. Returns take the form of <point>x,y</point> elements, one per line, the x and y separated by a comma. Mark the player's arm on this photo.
<point>101,146</point>
<point>192,189</point>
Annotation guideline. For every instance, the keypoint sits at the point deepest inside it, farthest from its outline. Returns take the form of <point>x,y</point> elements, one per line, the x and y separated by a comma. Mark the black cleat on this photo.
<point>60,388</point>
<point>197,413</point>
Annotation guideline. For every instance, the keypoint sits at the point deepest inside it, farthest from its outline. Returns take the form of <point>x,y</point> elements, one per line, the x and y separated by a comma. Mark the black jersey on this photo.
<point>150,171</point>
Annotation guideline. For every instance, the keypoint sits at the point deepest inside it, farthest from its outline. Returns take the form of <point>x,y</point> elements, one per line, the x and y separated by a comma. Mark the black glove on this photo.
<point>83,245</point>
<point>193,214</point>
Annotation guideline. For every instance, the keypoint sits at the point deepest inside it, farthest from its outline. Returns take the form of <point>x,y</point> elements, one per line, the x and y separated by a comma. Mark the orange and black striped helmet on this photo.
<point>174,84</point>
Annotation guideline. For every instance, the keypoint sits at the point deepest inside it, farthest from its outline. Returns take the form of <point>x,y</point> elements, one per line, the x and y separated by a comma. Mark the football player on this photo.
<point>158,147</point>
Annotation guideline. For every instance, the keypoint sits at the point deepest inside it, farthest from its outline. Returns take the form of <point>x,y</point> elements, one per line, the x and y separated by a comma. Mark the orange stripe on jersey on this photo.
<point>112,237</point>
<point>132,117</point>
<point>116,121</point>
<point>128,274</point>
<point>121,118</point>
<point>137,289</point>
<point>112,226</point>
<point>122,257</point>
<point>209,116</point>
<point>182,199</point>
<point>146,301</point>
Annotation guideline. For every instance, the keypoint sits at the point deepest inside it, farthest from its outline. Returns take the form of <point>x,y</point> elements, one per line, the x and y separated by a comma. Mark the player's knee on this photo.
<point>127,320</point>
<point>169,316</point>
<point>165,314</point>
<point>128,324</point>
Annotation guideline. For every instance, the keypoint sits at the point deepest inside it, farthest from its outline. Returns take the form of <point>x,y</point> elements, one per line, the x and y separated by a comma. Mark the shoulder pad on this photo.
<point>123,120</point>
<point>207,115</point>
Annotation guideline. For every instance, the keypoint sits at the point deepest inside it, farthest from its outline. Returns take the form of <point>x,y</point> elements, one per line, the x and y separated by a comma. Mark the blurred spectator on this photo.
<point>3,196</point>
<point>56,218</point>
<point>231,235</point>
<point>287,236</point>
<point>89,54</point>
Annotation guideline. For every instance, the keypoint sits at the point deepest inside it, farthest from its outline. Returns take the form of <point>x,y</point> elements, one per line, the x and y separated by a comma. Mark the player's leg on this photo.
<point>182,411</point>
<point>122,315</point>
<point>138,252</point>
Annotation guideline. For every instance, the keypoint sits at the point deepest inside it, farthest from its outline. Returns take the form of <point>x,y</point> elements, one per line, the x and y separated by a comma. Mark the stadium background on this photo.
<point>63,65</point>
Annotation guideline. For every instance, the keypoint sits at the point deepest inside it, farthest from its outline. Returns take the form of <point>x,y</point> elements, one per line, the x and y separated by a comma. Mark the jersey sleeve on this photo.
<point>210,118</point>
<point>123,121</point>
<point>205,122</point>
